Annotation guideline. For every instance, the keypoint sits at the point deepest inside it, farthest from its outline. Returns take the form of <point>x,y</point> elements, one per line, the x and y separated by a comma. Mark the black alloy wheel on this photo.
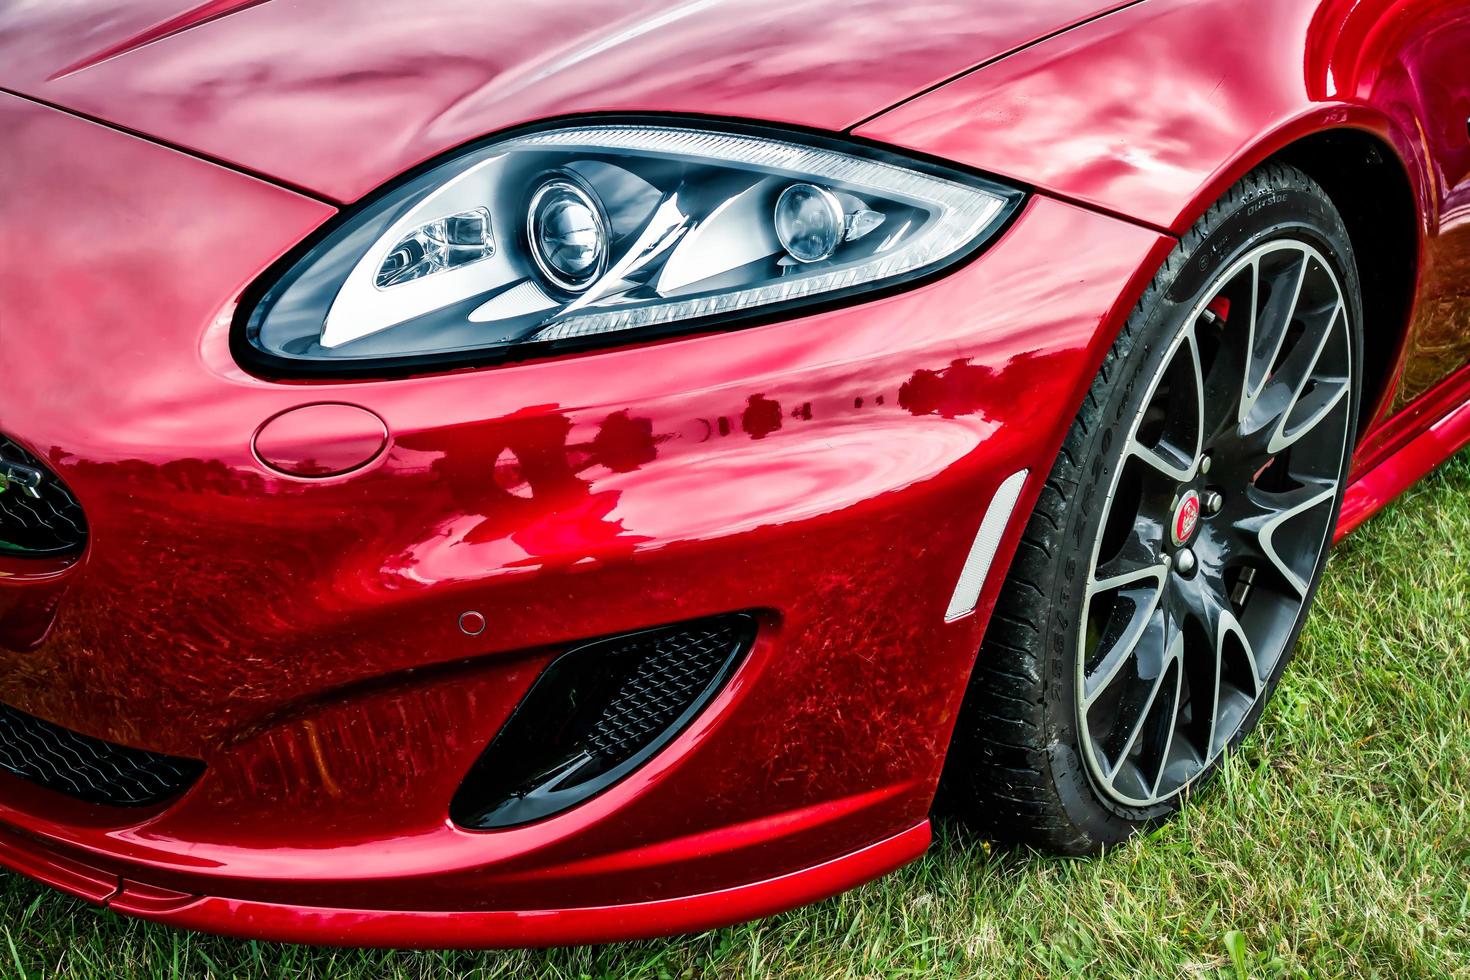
<point>1173,557</point>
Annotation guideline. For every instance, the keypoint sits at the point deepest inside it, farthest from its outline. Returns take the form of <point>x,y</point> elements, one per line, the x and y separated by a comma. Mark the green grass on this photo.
<point>1336,842</point>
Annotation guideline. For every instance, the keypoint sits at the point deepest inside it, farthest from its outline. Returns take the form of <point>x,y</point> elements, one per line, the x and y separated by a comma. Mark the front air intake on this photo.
<point>597,713</point>
<point>39,518</point>
<point>87,768</point>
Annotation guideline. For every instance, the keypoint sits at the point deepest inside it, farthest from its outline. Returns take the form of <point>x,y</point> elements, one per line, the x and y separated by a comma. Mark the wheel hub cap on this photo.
<point>1186,519</point>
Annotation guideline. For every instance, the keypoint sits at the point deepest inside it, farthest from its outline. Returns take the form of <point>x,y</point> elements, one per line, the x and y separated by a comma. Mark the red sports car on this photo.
<point>482,474</point>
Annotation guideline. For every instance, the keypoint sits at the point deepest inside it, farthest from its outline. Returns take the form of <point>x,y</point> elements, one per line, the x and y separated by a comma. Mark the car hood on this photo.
<point>337,96</point>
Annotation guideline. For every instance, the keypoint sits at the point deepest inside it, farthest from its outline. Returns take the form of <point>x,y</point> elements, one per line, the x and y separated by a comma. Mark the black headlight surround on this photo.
<point>363,220</point>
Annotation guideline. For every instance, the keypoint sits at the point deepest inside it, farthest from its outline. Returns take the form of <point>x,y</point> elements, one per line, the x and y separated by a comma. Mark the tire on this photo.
<point>1086,715</point>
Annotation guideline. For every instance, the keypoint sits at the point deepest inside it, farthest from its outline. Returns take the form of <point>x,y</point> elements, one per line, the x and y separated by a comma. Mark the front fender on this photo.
<point>1154,112</point>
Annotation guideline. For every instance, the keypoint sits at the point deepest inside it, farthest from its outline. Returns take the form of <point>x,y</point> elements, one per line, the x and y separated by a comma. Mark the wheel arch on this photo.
<point>1371,188</point>
<point>1378,179</point>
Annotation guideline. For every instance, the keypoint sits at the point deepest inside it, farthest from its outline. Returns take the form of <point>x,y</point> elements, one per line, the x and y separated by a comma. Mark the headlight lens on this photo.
<point>595,234</point>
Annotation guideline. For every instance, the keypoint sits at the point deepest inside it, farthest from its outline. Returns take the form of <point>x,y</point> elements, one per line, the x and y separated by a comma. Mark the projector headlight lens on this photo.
<point>595,234</point>
<point>567,234</point>
<point>809,222</point>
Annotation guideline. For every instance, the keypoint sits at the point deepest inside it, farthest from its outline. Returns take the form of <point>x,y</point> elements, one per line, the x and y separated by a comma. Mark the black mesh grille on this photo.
<point>38,515</point>
<point>89,768</point>
<point>674,669</point>
<point>595,715</point>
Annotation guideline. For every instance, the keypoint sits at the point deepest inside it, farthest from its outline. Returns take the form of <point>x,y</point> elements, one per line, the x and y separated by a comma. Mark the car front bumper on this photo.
<point>302,636</point>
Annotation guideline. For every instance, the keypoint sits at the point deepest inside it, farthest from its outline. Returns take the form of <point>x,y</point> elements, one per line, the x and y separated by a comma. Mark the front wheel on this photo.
<point>1168,568</point>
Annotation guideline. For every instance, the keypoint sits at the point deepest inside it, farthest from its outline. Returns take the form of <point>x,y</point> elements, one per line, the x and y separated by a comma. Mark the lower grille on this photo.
<point>39,518</point>
<point>87,768</point>
<point>596,714</point>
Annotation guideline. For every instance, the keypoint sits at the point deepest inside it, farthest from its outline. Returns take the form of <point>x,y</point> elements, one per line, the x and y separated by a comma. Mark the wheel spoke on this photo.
<point>1164,459</point>
<point>1296,398</point>
<point>1141,591</point>
<point>1173,415</point>
<point>1231,629</point>
<point>1153,573</point>
<point>1241,683</point>
<point>1252,328</point>
<point>1270,324</point>
<point>1221,626</point>
<point>1136,555</point>
<point>1197,375</point>
<point>1202,602</point>
<point>1274,513</point>
<point>1312,408</point>
<point>1176,705</point>
<point>1247,381</point>
<point>1146,710</point>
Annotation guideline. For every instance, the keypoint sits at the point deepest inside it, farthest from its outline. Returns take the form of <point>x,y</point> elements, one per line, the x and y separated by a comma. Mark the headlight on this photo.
<point>596,234</point>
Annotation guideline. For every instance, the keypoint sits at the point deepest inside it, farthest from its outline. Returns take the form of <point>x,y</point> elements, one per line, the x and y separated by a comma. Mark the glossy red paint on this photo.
<point>1195,97</point>
<point>303,637</point>
<point>793,468</point>
<point>538,927</point>
<point>378,95</point>
<point>1422,448</point>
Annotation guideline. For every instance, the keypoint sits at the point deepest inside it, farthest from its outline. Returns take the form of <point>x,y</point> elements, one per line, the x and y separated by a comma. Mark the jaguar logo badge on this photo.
<point>1186,519</point>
